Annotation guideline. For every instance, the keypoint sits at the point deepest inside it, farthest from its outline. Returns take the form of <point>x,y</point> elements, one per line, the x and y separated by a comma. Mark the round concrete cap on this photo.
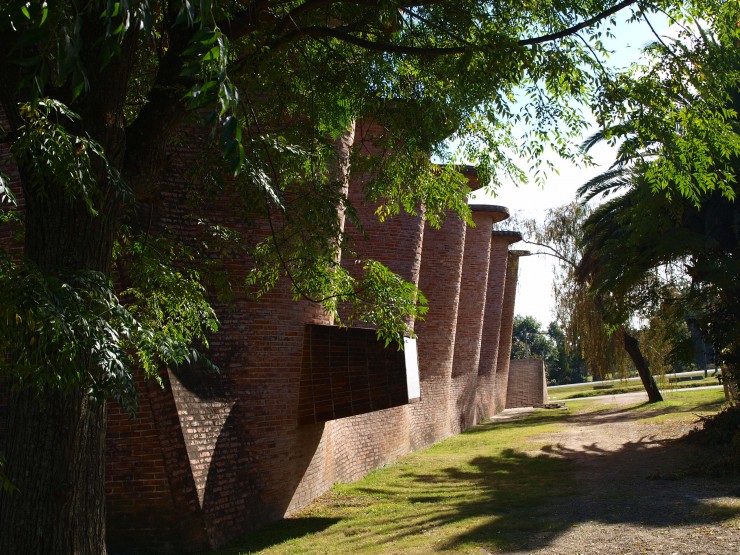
<point>512,236</point>
<point>515,252</point>
<point>499,213</point>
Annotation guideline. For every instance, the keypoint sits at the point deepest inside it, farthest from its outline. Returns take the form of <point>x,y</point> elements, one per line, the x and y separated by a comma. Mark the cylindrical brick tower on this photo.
<point>396,242</point>
<point>470,313</point>
<point>500,241</point>
<point>346,448</point>
<point>441,270</point>
<point>507,328</point>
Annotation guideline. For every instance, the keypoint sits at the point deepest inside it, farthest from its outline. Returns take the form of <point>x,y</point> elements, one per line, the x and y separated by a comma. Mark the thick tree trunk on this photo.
<point>55,447</point>
<point>55,438</point>
<point>643,369</point>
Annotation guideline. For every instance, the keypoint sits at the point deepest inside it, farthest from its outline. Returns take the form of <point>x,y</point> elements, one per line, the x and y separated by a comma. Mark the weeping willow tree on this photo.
<point>579,312</point>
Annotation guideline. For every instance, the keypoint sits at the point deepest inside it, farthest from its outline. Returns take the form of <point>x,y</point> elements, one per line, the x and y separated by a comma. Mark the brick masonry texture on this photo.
<point>500,241</point>
<point>209,457</point>
<point>501,380</point>
<point>463,410</point>
<point>527,383</point>
<point>441,273</point>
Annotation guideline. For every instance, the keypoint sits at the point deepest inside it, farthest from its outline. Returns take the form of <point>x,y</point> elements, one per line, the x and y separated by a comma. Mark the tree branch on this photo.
<point>552,252</point>
<point>386,47</point>
<point>316,31</point>
<point>572,30</point>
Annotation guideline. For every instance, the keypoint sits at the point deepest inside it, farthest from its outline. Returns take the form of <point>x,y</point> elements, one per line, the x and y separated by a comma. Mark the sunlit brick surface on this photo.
<point>527,383</point>
<point>500,241</point>
<point>507,328</point>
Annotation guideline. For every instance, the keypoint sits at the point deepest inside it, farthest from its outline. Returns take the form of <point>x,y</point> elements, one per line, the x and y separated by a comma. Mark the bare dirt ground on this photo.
<point>634,495</point>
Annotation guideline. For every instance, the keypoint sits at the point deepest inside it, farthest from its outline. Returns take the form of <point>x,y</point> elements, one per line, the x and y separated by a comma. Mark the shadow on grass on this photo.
<point>592,417</point>
<point>512,500</point>
<point>278,533</point>
<point>654,493</point>
<point>640,412</point>
<point>517,502</point>
<point>549,416</point>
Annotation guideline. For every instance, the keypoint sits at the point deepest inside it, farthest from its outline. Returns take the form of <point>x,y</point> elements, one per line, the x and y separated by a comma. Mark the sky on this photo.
<point>534,291</point>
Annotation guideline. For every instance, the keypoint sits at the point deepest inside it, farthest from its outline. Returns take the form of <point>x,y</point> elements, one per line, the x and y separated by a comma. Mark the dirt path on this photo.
<point>632,494</point>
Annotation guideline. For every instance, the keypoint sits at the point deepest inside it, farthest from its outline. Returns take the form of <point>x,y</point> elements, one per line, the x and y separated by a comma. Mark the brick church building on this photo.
<point>300,404</point>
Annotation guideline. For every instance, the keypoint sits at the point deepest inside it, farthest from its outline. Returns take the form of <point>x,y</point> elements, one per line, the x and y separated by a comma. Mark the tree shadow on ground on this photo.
<point>524,504</point>
<point>516,501</point>
<point>597,417</point>
<point>278,533</point>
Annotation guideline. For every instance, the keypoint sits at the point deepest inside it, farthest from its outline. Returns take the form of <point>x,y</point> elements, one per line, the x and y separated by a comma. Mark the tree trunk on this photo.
<point>55,438</point>
<point>643,369</point>
<point>55,445</point>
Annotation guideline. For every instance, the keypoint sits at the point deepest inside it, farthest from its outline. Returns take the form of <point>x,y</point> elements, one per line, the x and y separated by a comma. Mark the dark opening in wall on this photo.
<point>348,371</point>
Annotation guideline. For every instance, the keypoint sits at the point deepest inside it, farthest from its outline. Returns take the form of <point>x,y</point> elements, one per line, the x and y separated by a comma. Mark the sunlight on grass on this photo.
<point>631,385</point>
<point>727,510</point>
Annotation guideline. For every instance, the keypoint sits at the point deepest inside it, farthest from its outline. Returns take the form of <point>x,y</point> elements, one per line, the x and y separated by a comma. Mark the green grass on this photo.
<point>630,385</point>
<point>680,404</point>
<point>481,490</point>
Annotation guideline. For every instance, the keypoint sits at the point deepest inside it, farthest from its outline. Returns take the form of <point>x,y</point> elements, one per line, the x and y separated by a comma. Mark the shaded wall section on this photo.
<point>469,328</point>
<point>441,272</point>
<point>235,435</point>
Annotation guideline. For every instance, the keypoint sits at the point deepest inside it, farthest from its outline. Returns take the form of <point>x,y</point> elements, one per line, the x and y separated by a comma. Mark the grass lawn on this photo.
<point>623,386</point>
<point>485,487</point>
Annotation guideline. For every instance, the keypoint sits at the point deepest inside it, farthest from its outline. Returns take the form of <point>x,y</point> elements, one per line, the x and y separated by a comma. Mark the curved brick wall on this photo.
<point>500,241</point>
<point>351,447</point>
<point>507,327</point>
<point>397,241</point>
<point>212,456</point>
<point>441,270</point>
<point>469,327</point>
<point>223,436</point>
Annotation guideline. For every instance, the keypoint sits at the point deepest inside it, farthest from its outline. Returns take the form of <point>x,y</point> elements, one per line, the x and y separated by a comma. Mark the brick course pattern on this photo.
<point>486,390</point>
<point>501,379</point>
<point>441,274</point>
<point>462,407</point>
<point>527,383</point>
<point>209,457</point>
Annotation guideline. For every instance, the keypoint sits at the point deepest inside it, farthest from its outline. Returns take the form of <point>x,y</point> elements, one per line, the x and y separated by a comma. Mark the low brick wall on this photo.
<point>527,383</point>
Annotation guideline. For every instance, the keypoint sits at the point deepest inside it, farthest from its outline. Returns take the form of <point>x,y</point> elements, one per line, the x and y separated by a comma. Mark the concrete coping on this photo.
<point>516,252</point>
<point>513,236</point>
<point>500,213</point>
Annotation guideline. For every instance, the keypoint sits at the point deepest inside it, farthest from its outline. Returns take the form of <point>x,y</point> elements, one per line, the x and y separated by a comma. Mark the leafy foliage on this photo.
<point>647,252</point>
<point>97,93</point>
<point>529,340</point>
<point>673,116</point>
<point>49,152</point>
<point>78,332</point>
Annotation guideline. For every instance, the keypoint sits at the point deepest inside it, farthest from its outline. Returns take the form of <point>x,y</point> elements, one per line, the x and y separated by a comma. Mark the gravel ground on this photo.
<point>633,494</point>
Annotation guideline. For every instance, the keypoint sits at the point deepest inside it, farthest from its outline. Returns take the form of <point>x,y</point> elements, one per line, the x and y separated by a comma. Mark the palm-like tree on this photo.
<point>632,242</point>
